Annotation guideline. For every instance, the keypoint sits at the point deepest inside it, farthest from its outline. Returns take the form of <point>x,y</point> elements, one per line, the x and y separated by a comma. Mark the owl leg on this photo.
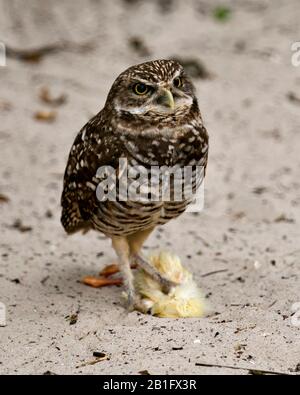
<point>121,246</point>
<point>136,242</point>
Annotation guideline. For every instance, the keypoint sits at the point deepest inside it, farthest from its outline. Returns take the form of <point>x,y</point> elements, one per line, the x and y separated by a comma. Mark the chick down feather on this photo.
<point>183,301</point>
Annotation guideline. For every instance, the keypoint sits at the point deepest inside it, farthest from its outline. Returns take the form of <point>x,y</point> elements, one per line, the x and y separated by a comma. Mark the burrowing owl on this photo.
<point>151,118</point>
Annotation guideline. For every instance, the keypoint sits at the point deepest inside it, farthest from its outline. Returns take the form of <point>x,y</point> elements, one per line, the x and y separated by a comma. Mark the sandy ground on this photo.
<point>250,226</point>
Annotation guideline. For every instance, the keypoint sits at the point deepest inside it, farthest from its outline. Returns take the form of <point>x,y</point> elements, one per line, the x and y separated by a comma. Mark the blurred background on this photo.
<point>61,59</point>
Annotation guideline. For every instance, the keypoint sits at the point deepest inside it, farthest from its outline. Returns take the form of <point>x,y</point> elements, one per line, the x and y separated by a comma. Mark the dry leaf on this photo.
<point>46,97</point>
<point>284,218</point>
<point>144,373</point>
<point>45,116</point>
<point>194,67</point>
<point>21,227</point>
<point>138,45</point>
<point>3,198</point>
<point>293,98</point>
<point>5,105</point>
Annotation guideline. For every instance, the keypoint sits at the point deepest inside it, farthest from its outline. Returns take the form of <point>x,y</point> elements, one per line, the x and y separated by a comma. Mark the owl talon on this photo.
<point>130,305</point>
<point>134,302</point>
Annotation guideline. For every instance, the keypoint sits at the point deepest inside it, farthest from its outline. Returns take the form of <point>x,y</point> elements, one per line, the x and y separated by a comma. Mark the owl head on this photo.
<point>157,88</point>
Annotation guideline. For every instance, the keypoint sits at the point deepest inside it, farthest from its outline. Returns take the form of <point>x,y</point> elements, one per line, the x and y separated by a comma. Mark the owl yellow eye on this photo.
<point>177,82</point>
<point>140,89</point>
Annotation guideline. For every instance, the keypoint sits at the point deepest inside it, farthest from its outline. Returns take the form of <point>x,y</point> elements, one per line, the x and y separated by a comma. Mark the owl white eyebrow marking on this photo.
<point>177,74</point>
<point>141,80</point>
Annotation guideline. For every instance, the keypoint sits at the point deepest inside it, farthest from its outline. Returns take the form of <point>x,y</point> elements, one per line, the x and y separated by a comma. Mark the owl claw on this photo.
<point>134,302</point>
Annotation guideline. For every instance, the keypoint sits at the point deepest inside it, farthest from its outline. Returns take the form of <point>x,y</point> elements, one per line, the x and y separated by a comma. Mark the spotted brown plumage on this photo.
<point>162,127</point>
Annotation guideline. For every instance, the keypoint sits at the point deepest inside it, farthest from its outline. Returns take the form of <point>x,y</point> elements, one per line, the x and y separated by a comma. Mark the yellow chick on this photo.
<point>184,300</point>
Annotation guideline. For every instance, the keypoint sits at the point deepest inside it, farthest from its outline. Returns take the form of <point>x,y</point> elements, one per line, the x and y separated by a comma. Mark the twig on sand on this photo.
<point>250,370</point>
<point>94,361</point>
<point>291,253</point>
<point>36,54</point>
<point>214,272</point>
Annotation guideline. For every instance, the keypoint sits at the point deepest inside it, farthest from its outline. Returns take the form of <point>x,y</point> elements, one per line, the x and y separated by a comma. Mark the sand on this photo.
<point>243,248</point>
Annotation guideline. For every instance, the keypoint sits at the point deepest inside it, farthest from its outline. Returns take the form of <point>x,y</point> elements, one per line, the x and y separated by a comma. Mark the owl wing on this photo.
<point>93,147</point>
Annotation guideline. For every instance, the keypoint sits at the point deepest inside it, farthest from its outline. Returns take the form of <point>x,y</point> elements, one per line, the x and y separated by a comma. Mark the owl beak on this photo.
<point>167,99</point>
